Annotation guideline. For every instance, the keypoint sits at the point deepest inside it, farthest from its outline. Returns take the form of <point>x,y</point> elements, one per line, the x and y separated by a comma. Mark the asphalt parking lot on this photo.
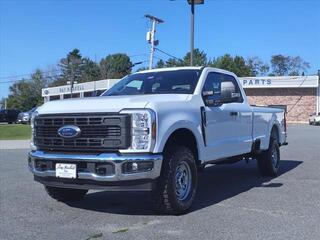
<point>233,202</point>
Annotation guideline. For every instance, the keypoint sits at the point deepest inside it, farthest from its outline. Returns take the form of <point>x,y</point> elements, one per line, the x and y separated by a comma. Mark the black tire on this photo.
<point>269,161</point>
<point>66,194</point>
<point>166,199</point>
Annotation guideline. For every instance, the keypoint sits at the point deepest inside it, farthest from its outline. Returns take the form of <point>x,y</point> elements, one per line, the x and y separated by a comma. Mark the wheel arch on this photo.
<point>275,130</point>
<point>185,137</point>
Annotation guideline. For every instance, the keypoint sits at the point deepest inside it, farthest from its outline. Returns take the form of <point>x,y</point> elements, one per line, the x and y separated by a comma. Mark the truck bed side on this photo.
<point>264,119</point>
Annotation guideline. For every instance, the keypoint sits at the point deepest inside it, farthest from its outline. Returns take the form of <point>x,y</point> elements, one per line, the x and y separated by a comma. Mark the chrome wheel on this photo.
<point>183,180</point>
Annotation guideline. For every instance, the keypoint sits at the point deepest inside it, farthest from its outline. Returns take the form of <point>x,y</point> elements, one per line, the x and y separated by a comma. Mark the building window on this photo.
<point>55,97</point>
<point>88,94</point>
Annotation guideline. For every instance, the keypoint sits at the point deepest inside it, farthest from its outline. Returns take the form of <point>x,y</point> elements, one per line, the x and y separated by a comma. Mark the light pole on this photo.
<point>192,3</point>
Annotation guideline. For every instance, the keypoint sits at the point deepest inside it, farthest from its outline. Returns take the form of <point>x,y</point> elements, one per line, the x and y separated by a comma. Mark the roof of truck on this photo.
<point>185,68</point>
<point>170,69</point>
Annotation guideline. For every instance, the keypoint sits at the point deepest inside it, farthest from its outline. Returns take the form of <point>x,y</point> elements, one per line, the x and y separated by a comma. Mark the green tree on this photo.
<point>26,94</point>
<point>115,66</point>
<point>90,71</point>
<point>174,62</point>
<point>160,64</point>
<point>199,58</point>
<point>71,68</point>
<point>235,64</point>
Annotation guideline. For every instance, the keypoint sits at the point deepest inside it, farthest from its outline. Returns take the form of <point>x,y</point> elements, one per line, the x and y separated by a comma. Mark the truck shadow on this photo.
<point>216,183</point>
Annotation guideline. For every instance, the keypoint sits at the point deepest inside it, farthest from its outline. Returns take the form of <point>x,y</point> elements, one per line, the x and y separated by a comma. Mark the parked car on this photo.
<point>152,131</point>
<point>9,115</point>
<point>25,117</point>
<point>314,119</point>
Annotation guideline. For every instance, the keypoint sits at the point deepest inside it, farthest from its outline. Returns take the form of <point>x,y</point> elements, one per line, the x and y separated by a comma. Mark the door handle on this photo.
<point>234,113</point>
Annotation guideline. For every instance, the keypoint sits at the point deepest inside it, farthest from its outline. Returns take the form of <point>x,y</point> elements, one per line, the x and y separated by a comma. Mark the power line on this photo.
<point>168,54</point>
<point>24,79</point>
<point>27,74</point>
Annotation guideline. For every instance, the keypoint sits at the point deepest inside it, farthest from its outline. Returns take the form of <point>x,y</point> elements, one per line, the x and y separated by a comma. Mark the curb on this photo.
<point>14,144</point>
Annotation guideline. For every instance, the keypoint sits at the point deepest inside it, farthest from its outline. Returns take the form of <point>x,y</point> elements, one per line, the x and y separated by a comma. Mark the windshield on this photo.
<point>166,82</point>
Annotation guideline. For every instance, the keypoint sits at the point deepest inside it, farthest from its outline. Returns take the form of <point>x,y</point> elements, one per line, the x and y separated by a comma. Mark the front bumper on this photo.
<point>88,176</point>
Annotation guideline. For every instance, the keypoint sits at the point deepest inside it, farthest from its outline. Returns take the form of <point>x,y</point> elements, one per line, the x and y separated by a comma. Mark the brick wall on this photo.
<point>300,101</point>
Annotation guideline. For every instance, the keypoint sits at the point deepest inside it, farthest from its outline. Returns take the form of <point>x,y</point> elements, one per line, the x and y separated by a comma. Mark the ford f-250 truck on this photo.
<point>152,131</point>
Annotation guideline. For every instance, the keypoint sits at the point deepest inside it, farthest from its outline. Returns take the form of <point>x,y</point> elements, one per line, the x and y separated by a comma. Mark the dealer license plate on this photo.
<point>64,170</point>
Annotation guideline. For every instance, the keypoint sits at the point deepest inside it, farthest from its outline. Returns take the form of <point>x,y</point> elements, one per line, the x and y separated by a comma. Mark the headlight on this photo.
<point>33,116</point>
<point>143,130</point>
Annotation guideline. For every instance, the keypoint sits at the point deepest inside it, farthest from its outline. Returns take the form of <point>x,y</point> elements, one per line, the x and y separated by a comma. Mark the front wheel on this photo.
<point>269,160</point>
<point>176,187</point>
<point>65,194</point>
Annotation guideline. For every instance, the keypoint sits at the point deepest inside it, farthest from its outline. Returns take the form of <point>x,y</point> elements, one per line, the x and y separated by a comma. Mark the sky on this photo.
<point>38,33</point>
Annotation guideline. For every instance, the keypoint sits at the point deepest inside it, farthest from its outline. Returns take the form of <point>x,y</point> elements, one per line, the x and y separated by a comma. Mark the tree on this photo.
<point>26,94</point>
<point>237,65</point>
<point>2,103</point>
<point>174,62</point>
<point>160,64</point>
<point>71,68</point>
<point>115,66</point>
<point>280,64</point>
<point>90,71</point>
<point>257,66</point>
<point>298,66</point>
<point>199,58</point>
<point>287,65</point>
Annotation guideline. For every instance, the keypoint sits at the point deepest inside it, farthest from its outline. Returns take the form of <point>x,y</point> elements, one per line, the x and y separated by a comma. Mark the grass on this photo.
<point>14,132</point>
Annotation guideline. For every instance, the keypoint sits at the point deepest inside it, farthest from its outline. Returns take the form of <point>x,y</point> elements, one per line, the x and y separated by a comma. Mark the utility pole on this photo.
<point>192,33</point>
<point>151,36</point>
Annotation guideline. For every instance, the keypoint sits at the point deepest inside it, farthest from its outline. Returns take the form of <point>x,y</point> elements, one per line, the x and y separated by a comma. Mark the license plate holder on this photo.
<point>66,170</point>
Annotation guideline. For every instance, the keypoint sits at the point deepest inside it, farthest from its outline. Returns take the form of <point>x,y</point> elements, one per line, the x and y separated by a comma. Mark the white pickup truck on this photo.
<point>152,131</point>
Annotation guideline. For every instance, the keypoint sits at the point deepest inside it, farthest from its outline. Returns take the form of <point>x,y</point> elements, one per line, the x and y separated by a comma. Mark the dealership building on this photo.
<point>299,95</point>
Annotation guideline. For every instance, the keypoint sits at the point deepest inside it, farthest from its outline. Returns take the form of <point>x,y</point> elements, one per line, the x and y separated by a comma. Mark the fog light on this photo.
<point>133,167</point>
<point>40,165</point>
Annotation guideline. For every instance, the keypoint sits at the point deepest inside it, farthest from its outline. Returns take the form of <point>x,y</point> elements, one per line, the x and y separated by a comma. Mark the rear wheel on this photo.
<point>269,160</point>
<point>65,194</point>
<point>176,187</point>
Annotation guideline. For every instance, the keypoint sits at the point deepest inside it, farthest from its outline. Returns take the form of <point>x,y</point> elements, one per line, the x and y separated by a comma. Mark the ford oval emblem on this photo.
<point>69,131</point>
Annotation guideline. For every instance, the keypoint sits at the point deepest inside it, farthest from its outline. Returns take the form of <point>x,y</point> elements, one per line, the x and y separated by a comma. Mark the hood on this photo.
<point>106,103</point>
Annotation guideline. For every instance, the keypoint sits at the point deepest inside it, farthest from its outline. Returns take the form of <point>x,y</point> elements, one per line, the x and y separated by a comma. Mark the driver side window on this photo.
<point>221,88</point>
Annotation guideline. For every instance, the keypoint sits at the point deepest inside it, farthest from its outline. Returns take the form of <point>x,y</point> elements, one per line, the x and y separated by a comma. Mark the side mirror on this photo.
<point>228,93</point>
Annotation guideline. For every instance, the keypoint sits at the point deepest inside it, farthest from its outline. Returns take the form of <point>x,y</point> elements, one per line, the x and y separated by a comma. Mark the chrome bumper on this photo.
<point>113,158</point>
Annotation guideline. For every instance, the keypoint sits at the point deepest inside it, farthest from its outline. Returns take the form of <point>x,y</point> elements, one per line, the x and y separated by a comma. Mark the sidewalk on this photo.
<point>14,144</point>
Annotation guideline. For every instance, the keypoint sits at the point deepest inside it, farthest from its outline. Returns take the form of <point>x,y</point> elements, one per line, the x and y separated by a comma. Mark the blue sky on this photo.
<point>36,34</point>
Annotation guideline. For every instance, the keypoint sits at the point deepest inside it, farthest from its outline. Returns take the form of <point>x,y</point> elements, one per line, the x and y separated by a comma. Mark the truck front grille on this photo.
<point>98,132</point>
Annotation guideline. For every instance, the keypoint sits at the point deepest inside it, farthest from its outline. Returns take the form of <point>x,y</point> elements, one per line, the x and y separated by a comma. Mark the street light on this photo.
<point>192,3</point>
